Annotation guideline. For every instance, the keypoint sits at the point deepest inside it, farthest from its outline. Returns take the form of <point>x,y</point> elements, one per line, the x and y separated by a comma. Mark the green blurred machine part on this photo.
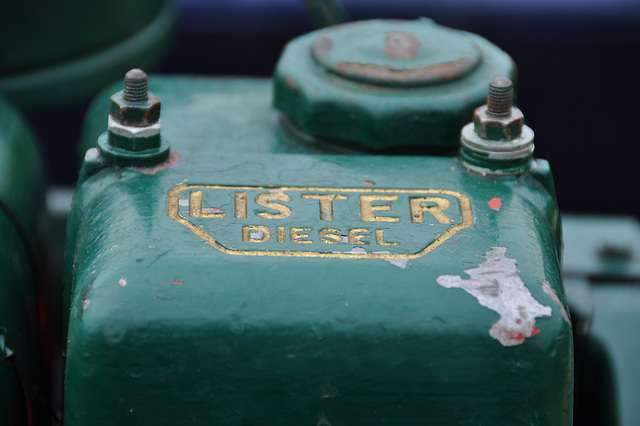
<point>229,264</point>
<point>22,366</point>
<point>53,53</point>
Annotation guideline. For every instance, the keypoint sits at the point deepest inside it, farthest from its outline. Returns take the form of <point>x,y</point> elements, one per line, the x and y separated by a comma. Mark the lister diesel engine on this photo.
<point>359,241</point>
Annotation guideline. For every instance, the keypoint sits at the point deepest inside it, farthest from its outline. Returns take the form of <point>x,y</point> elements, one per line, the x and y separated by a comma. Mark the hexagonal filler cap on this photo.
<point>386,84</point>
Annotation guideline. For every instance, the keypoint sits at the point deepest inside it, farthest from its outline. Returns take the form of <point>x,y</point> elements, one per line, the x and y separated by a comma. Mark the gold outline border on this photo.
<point>465,208</point>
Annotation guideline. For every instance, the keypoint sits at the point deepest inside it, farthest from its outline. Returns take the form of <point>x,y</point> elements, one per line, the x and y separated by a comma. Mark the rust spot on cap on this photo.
<point>174,157</point>
<point>380,74</point>
<point>289,82</point>
<point>399,45</point>
<point>323,45</point>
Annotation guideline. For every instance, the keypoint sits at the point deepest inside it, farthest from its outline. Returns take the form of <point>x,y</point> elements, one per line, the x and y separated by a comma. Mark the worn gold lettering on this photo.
<point>256,234</point>
<point>432,205</point>
<point>241,205</point>
<point>367,208</point>
<point>380,239</point>
<point>298,235</point>
<point>330,236</point>
<point>196,210</point>
<point>265,201</point>
<point>280,234</point>
<point>356,236</point>
<point>326,203</point>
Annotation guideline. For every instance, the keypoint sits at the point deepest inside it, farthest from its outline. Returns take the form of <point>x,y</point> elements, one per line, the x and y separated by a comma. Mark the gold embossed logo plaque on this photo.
<point>320,221</point>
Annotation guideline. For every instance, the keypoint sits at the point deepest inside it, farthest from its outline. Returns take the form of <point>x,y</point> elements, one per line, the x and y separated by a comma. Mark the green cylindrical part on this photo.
<point>63,51</point>
<point>23,391</point>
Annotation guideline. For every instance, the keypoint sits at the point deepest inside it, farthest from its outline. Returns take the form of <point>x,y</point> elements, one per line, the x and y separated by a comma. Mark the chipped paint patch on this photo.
<point>497,285</point>
<point>495,203</point>
<point>401,263</point>
<point>546,287</point>
<point>4,349</point>
<point>355,250</point>
<point>91,154</point>
<point>122,282</point>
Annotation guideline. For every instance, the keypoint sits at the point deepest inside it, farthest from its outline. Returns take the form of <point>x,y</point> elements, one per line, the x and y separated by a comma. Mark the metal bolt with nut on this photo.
<point>134,128</point>
<point>497,142</point>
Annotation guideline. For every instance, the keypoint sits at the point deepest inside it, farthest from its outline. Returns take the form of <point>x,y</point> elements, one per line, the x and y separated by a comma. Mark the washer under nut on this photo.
<point>487,156</point>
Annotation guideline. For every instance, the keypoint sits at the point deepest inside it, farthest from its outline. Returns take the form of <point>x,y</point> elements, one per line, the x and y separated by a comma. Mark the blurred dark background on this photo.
<point>578,85</point>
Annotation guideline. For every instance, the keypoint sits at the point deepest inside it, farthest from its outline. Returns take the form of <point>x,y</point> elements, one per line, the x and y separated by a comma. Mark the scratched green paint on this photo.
<point>165,329</point>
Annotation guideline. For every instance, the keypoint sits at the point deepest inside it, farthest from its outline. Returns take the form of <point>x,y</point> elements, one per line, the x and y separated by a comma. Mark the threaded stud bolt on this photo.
<point>136,86</point>
<point>500,99</point>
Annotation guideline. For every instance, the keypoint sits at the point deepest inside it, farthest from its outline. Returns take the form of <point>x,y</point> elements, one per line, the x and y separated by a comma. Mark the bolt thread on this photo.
<point>500,99</point>
<point>136,86</point>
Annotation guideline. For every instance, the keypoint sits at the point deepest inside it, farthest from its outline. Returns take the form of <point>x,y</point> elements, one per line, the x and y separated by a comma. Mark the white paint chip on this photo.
<point>497,285</point>
<point>400,263</point>
<point>554,296</point>
<point>91,154</point>
<point>356,250</point>
<point>256,234</point>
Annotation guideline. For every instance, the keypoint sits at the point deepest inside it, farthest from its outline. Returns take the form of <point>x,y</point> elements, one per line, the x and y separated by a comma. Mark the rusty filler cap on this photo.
<point>386,83</point>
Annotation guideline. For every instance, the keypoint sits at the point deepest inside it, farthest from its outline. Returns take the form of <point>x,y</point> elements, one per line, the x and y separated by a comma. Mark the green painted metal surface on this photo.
<point>387,84</point>
<point>58,52</point>
<point>22,387</point>
<point>602,270</point>
<point>616,325</point>
<point>292,309</point>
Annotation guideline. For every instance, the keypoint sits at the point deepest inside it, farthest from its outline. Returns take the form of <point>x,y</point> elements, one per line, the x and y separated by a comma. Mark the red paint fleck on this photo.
<point>470,226</point>
<point>495,203</point>
<point>453,242</point>
<point>518,321</point>
<point>290,83</point>
<point>519,337</point>
<point>368,182</point>
<point>177,283</point>
<point>211,210</point>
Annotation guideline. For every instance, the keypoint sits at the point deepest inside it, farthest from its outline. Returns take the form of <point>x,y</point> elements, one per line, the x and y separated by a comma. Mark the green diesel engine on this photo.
<point>360,240</point>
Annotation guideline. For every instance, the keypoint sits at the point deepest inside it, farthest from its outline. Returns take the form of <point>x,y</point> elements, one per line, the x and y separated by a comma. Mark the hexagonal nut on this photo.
<point>134,138</point>
<point>497,128</point>
<point>139,114</point>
